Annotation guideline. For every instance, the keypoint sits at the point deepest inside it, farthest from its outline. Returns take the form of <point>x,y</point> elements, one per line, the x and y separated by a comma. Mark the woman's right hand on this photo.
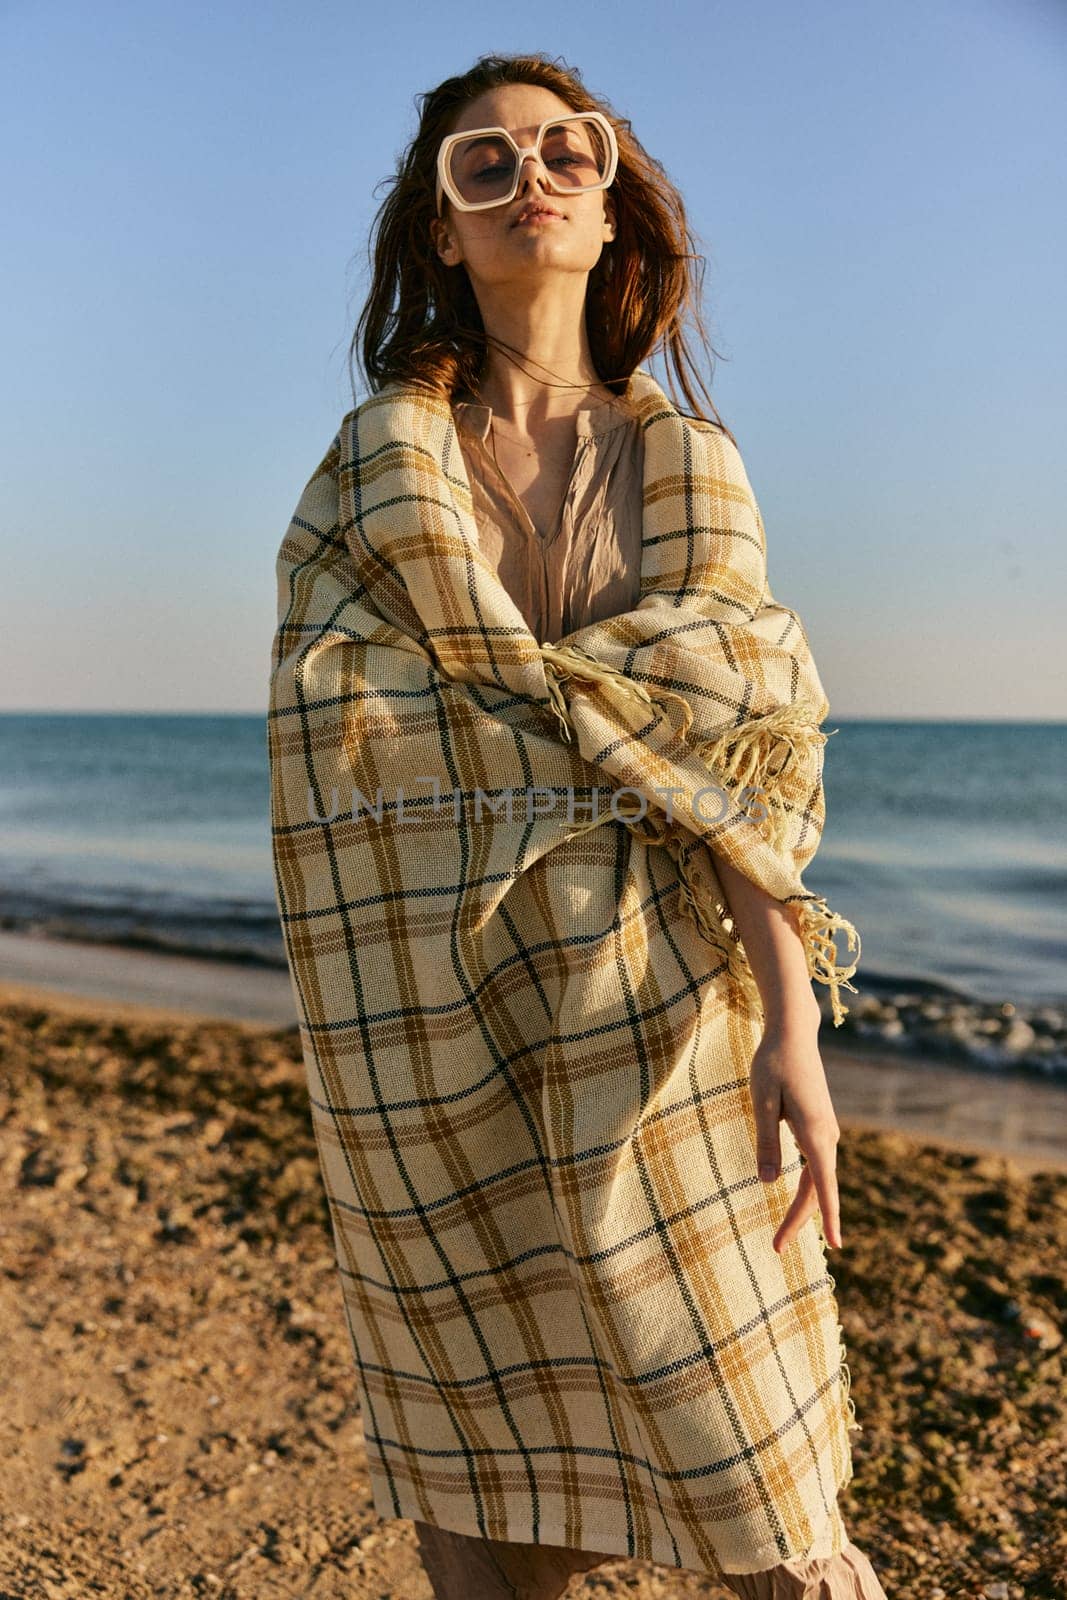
<point>788,1080</point>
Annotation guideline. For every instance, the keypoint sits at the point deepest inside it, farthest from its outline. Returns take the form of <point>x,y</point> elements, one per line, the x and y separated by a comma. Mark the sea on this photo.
<point>945,844</point>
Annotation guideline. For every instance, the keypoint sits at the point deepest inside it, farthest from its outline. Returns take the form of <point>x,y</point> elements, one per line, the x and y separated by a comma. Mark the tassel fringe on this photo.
<point>758,751</point>
<point>565,661</point>
<point>849,1419</point>
<point>700,904</point>
<point>817,926</point>
<point>754,753</point>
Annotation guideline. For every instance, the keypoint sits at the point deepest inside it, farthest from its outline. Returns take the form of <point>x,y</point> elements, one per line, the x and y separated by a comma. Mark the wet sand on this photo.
<point>176,984</point>
<point>984,1111</point>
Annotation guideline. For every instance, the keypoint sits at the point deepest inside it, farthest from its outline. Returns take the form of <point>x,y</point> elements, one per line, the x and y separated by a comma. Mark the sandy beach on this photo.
<point>178,1410</point>
<point>873,1087</point>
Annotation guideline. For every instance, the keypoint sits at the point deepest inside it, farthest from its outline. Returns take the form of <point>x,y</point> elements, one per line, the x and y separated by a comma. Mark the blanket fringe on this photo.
<point>849,1420</point>
<point>817,925</point>
<point>814,920</point>
<point>703,907</point>
<point>759,750</point>
<point>565,661</point>
<point>752,753</point>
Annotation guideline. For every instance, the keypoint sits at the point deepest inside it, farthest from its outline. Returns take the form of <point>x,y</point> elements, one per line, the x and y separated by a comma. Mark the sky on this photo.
<point>880,193</point>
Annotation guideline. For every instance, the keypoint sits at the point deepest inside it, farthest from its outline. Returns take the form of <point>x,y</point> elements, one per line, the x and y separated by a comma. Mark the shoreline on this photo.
<point>961,1108</point>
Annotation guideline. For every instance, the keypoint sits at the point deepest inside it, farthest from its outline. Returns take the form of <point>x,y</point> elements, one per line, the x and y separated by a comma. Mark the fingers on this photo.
<point>808,1110</point>
<point>803,1206</point>
<point>825,1169</point>
<point>817,1189</point>
<point>768,1113</point>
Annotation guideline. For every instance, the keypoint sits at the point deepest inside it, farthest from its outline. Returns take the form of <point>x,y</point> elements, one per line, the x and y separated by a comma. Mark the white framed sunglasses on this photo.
<point>480,167</point>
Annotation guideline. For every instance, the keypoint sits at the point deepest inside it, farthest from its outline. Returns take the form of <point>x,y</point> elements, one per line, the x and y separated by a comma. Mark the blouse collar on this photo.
<point>599,418</point>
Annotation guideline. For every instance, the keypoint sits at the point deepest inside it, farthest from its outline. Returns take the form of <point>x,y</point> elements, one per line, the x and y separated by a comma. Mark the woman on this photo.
<point>546,1056</point>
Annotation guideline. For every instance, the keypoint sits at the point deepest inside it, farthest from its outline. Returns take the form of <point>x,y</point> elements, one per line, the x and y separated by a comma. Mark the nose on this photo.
<point>538,170</point>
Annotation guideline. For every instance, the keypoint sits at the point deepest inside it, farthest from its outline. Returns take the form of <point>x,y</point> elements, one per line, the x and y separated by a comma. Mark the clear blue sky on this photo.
<point>881,194</point>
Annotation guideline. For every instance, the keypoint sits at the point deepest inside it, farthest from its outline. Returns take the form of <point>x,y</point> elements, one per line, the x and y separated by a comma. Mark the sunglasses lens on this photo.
<point>482,168</point>
<point>574,153</point>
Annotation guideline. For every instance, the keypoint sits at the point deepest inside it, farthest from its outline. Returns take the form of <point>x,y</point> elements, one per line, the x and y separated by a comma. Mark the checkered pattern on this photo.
<point>527,1020</point>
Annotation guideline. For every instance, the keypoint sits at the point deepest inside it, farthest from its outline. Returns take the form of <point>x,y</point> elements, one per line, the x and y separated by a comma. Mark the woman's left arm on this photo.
<point>787,1075</point>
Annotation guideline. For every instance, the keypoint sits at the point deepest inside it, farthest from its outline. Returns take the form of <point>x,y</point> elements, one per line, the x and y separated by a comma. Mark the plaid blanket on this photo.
<point>527,1019</point>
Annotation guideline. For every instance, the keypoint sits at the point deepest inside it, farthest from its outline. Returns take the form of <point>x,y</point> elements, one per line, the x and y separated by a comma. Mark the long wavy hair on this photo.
<point>421,324</point>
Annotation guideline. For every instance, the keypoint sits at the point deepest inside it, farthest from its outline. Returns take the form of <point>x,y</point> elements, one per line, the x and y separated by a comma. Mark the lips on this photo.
<point>535,211</point>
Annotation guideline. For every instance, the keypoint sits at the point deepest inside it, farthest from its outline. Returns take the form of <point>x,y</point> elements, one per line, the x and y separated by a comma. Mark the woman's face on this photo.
<point>495,249</point>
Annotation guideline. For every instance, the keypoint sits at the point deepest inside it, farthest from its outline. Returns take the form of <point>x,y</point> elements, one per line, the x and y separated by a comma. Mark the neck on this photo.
<point>549,349</point>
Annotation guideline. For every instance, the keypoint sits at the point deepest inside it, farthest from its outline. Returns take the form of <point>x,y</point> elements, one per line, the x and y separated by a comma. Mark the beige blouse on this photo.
<point>585,569</point>
<point>589,566</point>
